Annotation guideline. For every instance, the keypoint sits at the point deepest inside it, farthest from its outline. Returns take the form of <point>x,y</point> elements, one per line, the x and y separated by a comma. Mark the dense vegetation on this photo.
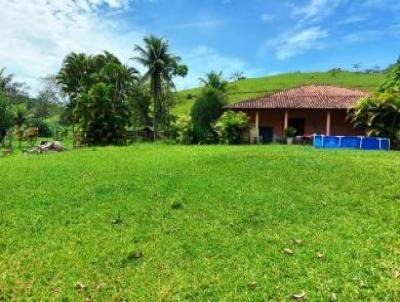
<point>379,114</point>
<point>209,223</point>
<point>248,88</point>
<point>104,101</point>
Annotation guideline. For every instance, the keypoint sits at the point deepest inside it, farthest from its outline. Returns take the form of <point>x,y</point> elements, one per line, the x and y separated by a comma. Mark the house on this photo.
<point>311,109</point>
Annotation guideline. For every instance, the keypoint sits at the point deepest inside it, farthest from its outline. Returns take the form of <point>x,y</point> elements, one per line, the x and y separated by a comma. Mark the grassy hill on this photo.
<point>250,88</point>
<point>200,223</point>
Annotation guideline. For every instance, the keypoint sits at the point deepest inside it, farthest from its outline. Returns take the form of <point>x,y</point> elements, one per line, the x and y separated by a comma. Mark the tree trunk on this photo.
<point>73,135</point>
<point>156,87</point>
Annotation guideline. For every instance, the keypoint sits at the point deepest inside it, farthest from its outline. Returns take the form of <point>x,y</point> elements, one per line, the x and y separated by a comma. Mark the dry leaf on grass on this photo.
<point>298,241</point>
<point>288,251</point>
<point>299,296</point>
<point>80,286</point>
<point>320,255</point>
<point>252,285</point>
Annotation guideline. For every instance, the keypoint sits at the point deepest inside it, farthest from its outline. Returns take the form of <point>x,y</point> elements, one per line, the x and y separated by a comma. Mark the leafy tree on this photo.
<point>75,77</point>
<point>392,83</point>
<point>184,129</point>
<point>205,111</point>
<point>7,117</point>
<point>238,76</point>
<point>161,67</point>
<point>139,102</point>
<point>14,91</point>
<point>357,66</point>
<point>231,127</point>
<point>214,80</point>
<point>102,118</point>
<point>379,115</point>
<point>20,119</point>
<point>88,81</point>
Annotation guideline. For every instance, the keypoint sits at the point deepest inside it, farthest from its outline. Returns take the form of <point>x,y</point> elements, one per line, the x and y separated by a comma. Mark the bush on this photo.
<point>378,115</point>
<point>206,110</point>
<point>31,135</point>
<point>290,132</point>
<point>43,127</point>
<point>184,129</point>
<point>59,132</point>
<point>231,127</point>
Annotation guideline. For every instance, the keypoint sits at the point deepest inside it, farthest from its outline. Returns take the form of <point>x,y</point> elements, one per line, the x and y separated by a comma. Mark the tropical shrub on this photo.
<point>184,129</point>
<point>43,127</point>
<point>31,134</point>
<point>7,117</point>
<point>206,110</point>
<point>379,115</point>
<point>392,83</point>
<point>231,127</point>
<point>102,119</point>
<point>290,132</point>
<point>214,80</point>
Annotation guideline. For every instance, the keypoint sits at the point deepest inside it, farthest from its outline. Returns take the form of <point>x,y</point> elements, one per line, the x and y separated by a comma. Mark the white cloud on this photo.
<point>203,59</point>
<point>362,36</point>
<point>353,20</point>
<point>37,34</point>
<point>315,10</point>
<point>295,43</point>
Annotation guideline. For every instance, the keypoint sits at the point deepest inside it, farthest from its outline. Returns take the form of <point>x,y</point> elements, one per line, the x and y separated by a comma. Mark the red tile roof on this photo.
<point>305,97</point>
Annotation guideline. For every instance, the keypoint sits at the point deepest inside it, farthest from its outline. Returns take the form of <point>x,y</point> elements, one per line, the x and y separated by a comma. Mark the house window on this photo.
<point>298,124</point>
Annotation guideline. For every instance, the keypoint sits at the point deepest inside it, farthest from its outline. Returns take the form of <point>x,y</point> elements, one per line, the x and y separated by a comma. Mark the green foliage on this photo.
<point>7,116</point>
<point>21,115</point>
<point>140,102</point>
<point>206,110</point>
<point>290,132</point>
<point>102,118</point>
<point>392,83</point>
<point>231,127</point>
<point>255,87</point>
<point>43,127</point>
<point>31,135</point>
<point>92,82</point>
<point>161,67</point>
<point>214,80</point>
<point>184,128</point>
<point>379,115</point>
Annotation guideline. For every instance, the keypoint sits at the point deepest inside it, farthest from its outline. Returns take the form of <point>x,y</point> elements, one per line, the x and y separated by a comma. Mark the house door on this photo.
<point>299,124</point>
<point>267,134</point>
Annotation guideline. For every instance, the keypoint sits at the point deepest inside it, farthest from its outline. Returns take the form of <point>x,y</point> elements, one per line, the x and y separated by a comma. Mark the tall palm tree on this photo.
<point>214,80</point>
<point>161,67</point>
<point>11,88</point>
<point>74,78</point>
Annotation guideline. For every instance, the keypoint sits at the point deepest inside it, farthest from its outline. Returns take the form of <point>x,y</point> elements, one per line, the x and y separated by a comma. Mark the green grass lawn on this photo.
<point>250,88</point>
<point>209,223</point>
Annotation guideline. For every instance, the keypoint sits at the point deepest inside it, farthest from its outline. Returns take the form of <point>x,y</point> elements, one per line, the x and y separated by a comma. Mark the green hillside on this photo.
<point>249,88</point>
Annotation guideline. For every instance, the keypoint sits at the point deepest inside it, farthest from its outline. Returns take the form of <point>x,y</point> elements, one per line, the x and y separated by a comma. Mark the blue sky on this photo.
<point>258,37</point>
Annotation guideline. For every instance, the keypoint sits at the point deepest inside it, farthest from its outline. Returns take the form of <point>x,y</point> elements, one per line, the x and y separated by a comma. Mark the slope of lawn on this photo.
<point>250,88</point>
<point>176,223</point>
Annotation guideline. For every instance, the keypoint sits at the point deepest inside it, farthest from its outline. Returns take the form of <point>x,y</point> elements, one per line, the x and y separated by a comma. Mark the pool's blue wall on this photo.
<point>354,142</point>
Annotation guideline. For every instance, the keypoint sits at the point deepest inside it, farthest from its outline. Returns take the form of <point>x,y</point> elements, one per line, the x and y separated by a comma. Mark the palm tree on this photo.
<point>12,89</point>
<point>161,67</point>
<point>74,78</point>
<point>214,80</point>
<point>357,66</point>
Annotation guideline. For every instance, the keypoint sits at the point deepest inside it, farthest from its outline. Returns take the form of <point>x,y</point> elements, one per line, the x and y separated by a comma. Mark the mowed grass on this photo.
<point>208,223</point>
<point>254,87</point>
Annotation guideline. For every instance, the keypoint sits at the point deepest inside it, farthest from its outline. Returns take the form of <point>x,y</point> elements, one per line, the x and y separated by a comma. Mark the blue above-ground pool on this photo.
<point>352,142</point>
